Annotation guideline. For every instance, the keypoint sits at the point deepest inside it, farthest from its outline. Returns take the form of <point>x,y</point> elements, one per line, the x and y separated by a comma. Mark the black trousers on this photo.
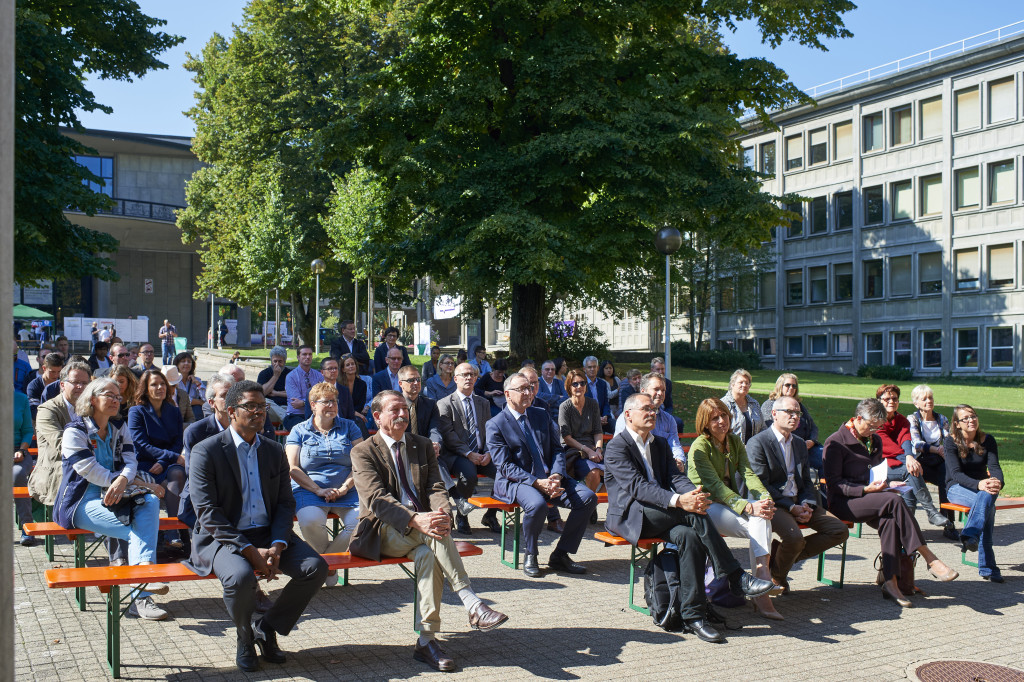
<point>697,540</point>
<point>300,562</point>
<point>464,473</point>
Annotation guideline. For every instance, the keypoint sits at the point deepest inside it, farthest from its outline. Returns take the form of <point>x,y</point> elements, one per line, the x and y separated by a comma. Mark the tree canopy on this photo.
<point>57,45</point>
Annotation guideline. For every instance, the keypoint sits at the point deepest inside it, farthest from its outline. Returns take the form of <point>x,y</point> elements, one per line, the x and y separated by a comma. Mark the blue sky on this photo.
<point>884,31</point>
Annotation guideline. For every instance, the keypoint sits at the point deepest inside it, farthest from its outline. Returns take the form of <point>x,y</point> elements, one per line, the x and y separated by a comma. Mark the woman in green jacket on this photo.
<point>741,506</point>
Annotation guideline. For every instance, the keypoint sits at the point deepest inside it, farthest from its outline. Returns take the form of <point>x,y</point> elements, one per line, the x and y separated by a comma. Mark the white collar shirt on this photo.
<point>786,443</point>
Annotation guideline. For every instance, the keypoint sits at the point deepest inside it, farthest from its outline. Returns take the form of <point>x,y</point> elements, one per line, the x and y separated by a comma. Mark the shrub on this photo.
<point>575,342</point>
<point>727,360</point>
<point>886,372</point>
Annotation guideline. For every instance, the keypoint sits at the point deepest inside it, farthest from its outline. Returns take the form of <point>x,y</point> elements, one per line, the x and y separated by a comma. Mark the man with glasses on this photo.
<point>147,359</point>
<point>550,388</point>
<point>329,368</point>
<point>348,343</point>
<point>653,386</point>
<point>297,385</point>
<point>387,378</point>
<point>244,532</point>
<point>51,418</point>
<point>464,416</point>
<point>118,355</point>
<point>424,419</point>
<point>526,447</point>
<point>598,390</point>
<point>780,460</point>
<point>384,350</point>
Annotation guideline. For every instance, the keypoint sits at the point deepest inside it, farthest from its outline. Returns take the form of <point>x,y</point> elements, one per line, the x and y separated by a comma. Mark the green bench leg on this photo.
<point>638,555</point>
<point>114,631</point>
<point>415,597</point>
<point>842,570</point>
<point>857,532</point>
<point>48,539</point>
<point>80,563</point>
<point>510,526</point>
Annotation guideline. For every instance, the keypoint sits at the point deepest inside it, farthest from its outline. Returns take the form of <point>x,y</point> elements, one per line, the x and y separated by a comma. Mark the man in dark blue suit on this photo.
<point>598,390</point>
<point>387,378</point>
<point>526,448</point>
<point>348,343</point>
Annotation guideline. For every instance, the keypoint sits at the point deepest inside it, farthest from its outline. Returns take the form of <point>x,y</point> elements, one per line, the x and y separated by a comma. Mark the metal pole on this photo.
<point>213,324</point>
<point>369,313</point>
<point>355,305</point>
<point>266,316</point>
<point>668,319</point>
<point>277,317</point>
<point>316,332</point>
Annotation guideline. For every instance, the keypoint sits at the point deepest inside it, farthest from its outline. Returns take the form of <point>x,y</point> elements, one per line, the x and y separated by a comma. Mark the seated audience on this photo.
<point>480,361</point>
<point>653,386</point>
<point>579,422</point>
<point>190,385</point>
<point>788,385</point>
<point>23,461</point>
<point>330,368</point>
<point>441,384</point>
<point>51,418</point>
<point>744,411</point>
<point>358,387</point>
<point>273,378</point>
<point>49,373</point>
<point>607,372</point>
<point>390,342</point>
<point>490,386</point>
<point>928,432</point>
<point>387,378</point>
<point>129,385</point>
<point>297,386</point>
<point>550,387</point>
<point>598,390</point>
<point>430,367</point>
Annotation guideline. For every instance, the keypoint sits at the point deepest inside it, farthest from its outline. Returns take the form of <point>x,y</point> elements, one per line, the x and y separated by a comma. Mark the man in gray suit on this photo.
<point>52,417</point>
<point>464,417</point>
<point>780,461</point>
<point>241,491</point>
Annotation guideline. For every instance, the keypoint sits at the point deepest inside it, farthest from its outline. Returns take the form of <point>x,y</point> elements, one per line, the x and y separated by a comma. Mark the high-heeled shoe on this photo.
<point>944,576</point>
<point>901,600</point>
<point>765,613</point>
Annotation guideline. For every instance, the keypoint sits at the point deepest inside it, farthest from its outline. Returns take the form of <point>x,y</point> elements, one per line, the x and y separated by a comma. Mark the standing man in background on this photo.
<point>167,336</point>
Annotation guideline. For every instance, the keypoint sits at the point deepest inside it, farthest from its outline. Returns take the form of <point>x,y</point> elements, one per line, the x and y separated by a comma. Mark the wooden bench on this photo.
<point>511,524</point>
<point>110,579</point>
<point>647,548</point>
<point>962,511</point>
<point>21,493</point>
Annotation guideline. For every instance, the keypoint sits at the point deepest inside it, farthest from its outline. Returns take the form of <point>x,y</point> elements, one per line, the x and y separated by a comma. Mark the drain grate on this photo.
<point>966,671</point>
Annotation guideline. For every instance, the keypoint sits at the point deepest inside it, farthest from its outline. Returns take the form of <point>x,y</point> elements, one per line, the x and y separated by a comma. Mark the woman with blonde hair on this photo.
<point>928,432</point>
<point>744,411</point>
<point>741,506</point>
<point>788,385</point>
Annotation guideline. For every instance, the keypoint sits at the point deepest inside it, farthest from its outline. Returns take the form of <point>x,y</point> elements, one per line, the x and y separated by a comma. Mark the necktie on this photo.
<point>531,445</point>
<point>413,422</point>
<point>403,478</point>
<point>474,436</point>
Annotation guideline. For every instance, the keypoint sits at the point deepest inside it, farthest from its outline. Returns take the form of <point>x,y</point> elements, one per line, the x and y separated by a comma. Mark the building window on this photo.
<point>873,133</point>
<point>844,281</point>
<point>902,130</point>
<point>768,347</point>
<point>796,226</point>
<point>1001,266</point>
<point>1002,186</point>
<point>101,166</point>
<point>768,158</point>
<point>794,287</point>
<point>966,348</point>
<point>818,147</point>
<point>931,118</point>
<point>725,344</point>
<point>794,152</point>
<point>726,294</point>
<point>968,188</point>
<point>931,350</point>
<point>902,200</point>
<point>931,195</point>
<point>767,290</point>
<point>842,143</point>
<point>749,159</point>
<point>872,349</point>
<point>843,344</point>
<point>901,276</point>
<point>819,215</point>
<point>901,349</point>
<point>929,270</point>
<point>1002,100</point>
<point>873,287</point>
<point>968,109</point>
<point>746,345</point>
<point>819,344</point>
<point>794,345</point>
<point>965,265</point>
<point>818,278</point>
<point>844,210</point>
<point>1000,347</point>
<point>874,202</point>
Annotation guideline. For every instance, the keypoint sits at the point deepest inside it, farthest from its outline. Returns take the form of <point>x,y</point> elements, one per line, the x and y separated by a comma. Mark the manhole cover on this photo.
<point>965,671</point>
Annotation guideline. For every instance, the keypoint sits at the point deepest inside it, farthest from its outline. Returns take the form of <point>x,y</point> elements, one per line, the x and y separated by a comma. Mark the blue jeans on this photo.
<point>141,535</point>
<point>168,354</point>
<point>918,494</point>
<point>980,522</point>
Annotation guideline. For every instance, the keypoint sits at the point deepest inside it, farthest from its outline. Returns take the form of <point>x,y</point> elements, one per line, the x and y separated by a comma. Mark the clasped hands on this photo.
<point>435,524</point>
<point>801,512</point>
<point>266,562</point>
<point>481,459</point>
<point>990,485</point>
<point>764,509</point>
<point>552,487</point>
<point>696,501</point>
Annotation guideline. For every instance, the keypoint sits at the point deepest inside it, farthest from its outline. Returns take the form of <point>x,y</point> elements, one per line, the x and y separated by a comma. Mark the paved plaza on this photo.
<point>560,627</point>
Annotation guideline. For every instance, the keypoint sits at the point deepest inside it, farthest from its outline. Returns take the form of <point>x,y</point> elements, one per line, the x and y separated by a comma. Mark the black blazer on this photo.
<point>769,463</point>
<point>216,482</point>
<point>339,347</point>
<point>379,355</point>
<point>629,491</point>
<point>196,433</point>
<point>428,419</point>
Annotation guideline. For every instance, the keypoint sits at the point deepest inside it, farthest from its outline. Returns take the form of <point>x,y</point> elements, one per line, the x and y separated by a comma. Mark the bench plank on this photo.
<point>53,528</point>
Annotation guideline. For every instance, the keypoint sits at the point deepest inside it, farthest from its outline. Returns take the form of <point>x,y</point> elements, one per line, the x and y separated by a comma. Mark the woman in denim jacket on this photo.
<point>928,431</point>
<point>744,411</point>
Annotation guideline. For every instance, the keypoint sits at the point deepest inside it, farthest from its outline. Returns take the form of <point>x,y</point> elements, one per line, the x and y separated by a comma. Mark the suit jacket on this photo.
<point>382,382</point>
<point>156,439</point>
<point>196,433</point>
<point>629,491</point>
<point>339,347</point>
<point>381,353</point>
<point>506,445</point>
<point>216,481</point>
<point>428,420</point>
<point>556,395</point>
<point>51,418</point>
<point>455,428</point>
<point>769,463</point>
<point>346,406</point>
<point>380,498</point>
<point>602,396</point>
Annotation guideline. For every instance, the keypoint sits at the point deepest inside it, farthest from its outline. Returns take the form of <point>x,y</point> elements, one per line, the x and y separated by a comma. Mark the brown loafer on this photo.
<point>483,617</point>
<point>556,526</point>
<point>943,575</point>
<point>434,656</point>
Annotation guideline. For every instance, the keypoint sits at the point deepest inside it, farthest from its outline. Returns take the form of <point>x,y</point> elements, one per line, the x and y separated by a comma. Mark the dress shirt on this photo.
<point>645,449</point>
<point>390,442</point>
<point>254,510</point>
<point>664,426</point>
<point>297,387</point>
<point>786,443</point>
<point>592,387</point>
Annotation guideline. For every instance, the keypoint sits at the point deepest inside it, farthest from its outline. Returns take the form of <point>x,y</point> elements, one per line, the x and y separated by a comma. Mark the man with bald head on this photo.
<point>118,355</point>
<point>387,378</point>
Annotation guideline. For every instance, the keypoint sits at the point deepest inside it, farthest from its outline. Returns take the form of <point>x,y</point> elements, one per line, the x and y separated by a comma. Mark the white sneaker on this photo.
<point>153,588</point>
<point>332,579</point>
<point>146,609</point>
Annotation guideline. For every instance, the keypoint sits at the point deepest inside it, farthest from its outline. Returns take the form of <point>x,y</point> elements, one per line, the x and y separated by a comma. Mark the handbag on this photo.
<point>905,578</point>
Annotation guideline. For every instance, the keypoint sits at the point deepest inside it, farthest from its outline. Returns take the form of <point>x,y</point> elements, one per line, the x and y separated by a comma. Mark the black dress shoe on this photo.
<point>560,561</point>
<point>434,656</point>
<point>968,543</point>
<point>530,566</point>
<point>245,653</point>
<point>951,533</point>
<point>490,520</point>
<point>266,642</point>
<point>462,506</point>
<point>748,586</point>
<point>703,630</point>
<point>462,524</point>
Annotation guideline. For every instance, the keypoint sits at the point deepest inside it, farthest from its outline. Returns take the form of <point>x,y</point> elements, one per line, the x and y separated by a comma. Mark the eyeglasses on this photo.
<point>145,352</point>
<point>465,375</point>
<point>789,385</point>
<point>522,390</point>
<point>112,396</point>
<point>410,381</point>
<point>791,413</point>
<point>969,418</point>
<point>577,384</point>
<point>121,355</point>
<point>325,403</point>
<point>76,384</point>
<point>254,408</point>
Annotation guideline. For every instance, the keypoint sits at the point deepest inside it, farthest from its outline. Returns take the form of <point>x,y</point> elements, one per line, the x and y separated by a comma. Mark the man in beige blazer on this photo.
<point>52,417</point>
<point>405,511</point>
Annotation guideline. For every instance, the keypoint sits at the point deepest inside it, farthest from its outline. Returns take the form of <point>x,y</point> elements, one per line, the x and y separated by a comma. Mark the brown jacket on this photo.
<point>379,496</point>
<point>44,481</point>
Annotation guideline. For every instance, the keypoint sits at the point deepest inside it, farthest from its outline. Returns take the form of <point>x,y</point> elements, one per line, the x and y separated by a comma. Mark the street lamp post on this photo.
<point>317,266</point>
<point>667,241</point>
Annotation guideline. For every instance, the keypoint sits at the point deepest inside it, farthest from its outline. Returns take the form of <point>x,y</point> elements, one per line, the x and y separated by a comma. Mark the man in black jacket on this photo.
<point>348,343</point>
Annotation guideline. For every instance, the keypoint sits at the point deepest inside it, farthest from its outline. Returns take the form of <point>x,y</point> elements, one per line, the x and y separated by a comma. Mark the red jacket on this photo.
<point>894,434</point>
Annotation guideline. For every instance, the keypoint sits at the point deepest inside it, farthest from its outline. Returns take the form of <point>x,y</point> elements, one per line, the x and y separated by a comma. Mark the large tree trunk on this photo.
<point>529,321</point>
<point>304,319</point>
